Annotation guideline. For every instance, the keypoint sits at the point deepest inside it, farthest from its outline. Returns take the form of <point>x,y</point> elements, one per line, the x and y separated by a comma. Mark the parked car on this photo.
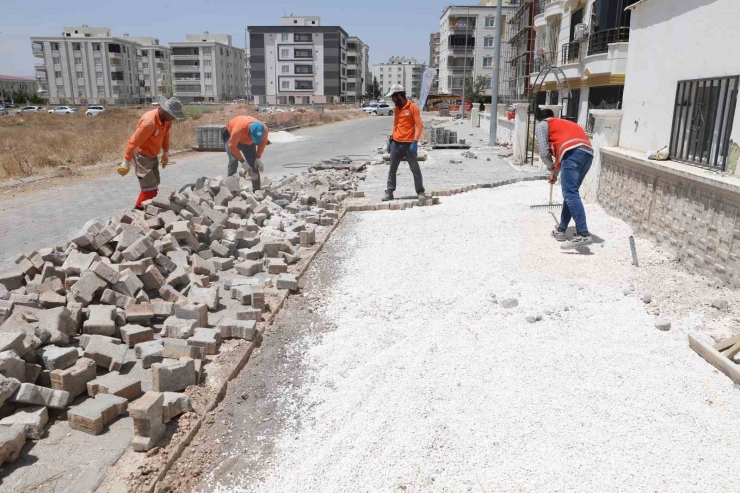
<point>370,107</point>
<point>383,109</point>
<point>30,109</point>
<point>3,111</point>
<point>94,110</point>
<point>9,105</point>
<point>63,110</point>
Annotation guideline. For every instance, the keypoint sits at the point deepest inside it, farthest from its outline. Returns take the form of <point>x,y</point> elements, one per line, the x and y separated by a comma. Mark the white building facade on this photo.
<point>358,69</point>
<point>299,62</point>
<point>207,68</point>
<point>153,66</point>
<point>399,70</point>
<point>86,65</point>
<point>247,75</point>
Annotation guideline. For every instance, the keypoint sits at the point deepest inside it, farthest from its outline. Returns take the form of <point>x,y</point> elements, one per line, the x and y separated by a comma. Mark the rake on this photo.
<point>549,205</point>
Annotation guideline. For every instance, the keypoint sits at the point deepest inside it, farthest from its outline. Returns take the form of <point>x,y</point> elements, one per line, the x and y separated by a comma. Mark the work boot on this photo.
<point>387,196</point>
<point>558,234</point>
<point>422,197</point>
<point>578,241</point>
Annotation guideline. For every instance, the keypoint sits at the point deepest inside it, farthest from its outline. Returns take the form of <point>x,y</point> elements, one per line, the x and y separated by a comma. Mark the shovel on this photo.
<point>549,205</point>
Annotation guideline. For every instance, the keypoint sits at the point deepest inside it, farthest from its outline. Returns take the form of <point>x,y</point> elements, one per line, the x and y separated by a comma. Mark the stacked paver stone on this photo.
<point>146,283</point>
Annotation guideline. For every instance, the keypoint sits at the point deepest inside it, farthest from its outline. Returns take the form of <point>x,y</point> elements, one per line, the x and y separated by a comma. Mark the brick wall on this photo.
<point>697,220</point>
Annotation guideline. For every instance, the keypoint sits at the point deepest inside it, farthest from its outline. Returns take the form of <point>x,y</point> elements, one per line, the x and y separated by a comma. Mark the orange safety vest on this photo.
<point>564,136</point>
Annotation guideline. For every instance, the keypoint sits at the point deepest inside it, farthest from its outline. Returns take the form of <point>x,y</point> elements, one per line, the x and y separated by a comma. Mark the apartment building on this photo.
<point>153,67</point>
<point>299,62</point>
<point>434,47</point>
<point>86,65</point>
<point>358,69</point>
<point>11,85</point>
<point>207,68</point>
<point>587,43</point>
<point>467,39</point>
<point>399,70</point>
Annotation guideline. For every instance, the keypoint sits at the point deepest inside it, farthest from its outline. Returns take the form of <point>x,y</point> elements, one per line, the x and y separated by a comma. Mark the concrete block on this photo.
<point>128,284</point>
<point>135,334</point>
<point>162,309</point>
<point>192,311</point>
<point>12,439</point>
<point>287,281</point>
<point>111,297</point>
<point>12,279</point>
<point>32,419</point>
<point>84,236</point>
<point>93,415</point>
<point>56,358</point>
<point>12,341</point>
<point>56,326</point>
<point>276,266</point>
<point>12,366</point>
<point>105,353</point>
<point>243,294</point>
<point>138,267</point>
<point>86,338</point>
<point>149,352</point>
<point>258,298</point>
<point>106,272</point>
<point>248,267</point>
<point>32,373</point>
<point>50,299</point>
<point>223,264</point>
<point>202,266</point>
<point>165,262</point>
<point>219,249</point>
<point>249,314</point>
<point>35,395</point>
<point>240,329</point>
<point>100,321</point>
<point>179,328</point>
<point>142,247</point>
<point>116,384</point>
<point>149,428</point>
<point>178,348</point>
<point>170,294</point>
<point>209,339</point>
<point>173,378</point>
<point>74,380</point>
<point>89,285</point>
<point>153,278</point>
<point>175,404</point>
<point>205,296</point>
<point>140,314</point>
<point>30,300</point>
<point>178,277</point>
<point>8,387</point>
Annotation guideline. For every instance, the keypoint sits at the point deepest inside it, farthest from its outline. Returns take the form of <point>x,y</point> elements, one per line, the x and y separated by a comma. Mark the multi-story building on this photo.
<point>358,69</point>
<point>588,42</point>
<point>467,40</point>
<point>153,67</point>
<point>298,62</point>
<point>207,68</point>
<point>86,65</point>
<point>399,70</point>
<point>434,47</point>
<point>12,86</point>
<point>247,75</point>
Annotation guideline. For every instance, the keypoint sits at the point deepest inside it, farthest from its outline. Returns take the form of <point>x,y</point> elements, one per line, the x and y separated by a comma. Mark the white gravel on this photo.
<point>428,384</point>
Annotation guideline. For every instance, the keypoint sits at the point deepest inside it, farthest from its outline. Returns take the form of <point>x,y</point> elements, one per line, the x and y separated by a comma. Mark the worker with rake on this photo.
<point>569,145</point>
<point>152,135</point>
<point>245,139</point>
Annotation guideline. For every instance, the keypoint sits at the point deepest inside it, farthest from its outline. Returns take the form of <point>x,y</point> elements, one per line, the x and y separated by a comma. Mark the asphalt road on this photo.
<point>44,218</point>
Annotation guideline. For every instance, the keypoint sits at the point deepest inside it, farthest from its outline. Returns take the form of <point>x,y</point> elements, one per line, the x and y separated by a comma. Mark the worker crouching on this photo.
<point>245,139</point>
<point>152,136</point>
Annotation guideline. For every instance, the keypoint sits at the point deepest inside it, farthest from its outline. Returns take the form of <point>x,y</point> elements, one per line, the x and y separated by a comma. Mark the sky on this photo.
<point>389,27</point>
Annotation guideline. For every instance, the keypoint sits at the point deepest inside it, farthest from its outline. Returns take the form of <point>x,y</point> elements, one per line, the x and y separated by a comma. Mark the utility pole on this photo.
<point>494,79</point>
<point>465,64</point>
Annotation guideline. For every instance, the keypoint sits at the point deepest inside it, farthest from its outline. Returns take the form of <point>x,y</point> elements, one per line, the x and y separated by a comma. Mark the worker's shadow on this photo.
<point>584,250</point>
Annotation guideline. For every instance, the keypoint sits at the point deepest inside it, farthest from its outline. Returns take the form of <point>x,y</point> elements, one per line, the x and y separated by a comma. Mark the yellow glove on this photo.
<point>165,159</point>
<point>124,168</point>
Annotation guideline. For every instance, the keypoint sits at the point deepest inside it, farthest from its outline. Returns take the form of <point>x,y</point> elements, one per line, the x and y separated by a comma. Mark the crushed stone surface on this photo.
<point>426,383</point>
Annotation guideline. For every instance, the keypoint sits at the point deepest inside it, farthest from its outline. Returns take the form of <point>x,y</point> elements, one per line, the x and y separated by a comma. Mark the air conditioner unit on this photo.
<point>580,32</point>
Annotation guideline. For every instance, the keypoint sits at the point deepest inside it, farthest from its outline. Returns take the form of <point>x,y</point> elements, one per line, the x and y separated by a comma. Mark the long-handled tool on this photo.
<point>549,205</point>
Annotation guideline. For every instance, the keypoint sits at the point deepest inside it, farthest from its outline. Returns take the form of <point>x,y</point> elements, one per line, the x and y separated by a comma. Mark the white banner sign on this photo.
<point>426,85</point>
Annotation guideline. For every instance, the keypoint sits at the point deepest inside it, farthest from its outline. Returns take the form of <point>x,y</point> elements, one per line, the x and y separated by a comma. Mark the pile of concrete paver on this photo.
<point>145,282</point>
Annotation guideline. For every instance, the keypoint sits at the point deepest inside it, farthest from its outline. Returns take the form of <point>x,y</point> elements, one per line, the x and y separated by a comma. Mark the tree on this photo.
<point>474,88</point>
<point>375,89</point>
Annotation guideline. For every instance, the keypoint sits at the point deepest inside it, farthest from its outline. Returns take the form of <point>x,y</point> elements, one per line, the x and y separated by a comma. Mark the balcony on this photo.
<point>554,8</point>
<point>186,79</point>
<point>599,41</point>
<point>185,68</point>
<point>571,53</point>
<point>37,49</point>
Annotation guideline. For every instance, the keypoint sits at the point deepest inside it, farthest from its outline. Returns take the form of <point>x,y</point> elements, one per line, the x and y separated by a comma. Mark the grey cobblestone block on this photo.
<point>147,414</point>
<point>57,358</point>
<point>208,339</point>
<point>149,352</point>
<point>32,419</point>
<point>179,348</point>
<point>134,334</point>
<point>174,377</point>
<point>106,354</point>
<point>240,329</point>
<point>179,328</point>
<point>114,383</point>
<point>74,380</point>
<point>12,439</point>
<point>140,314</point>
<point>193,311</point>
<point>12,366</point>
<point>88,286</point>
<point>93,415</point>
<point>100,321</point>
<point>35,395</point>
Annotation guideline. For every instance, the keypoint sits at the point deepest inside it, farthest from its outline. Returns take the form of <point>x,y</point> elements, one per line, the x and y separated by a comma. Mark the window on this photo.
<point>101,90</point>
<point>146,76</point>
<point>304,84</point>
<point>58,74</point>
<point>488,42</point>
<point>56,60</point>
<point>303,53</point>
<point>80,75</point>
<point>209,88</point>
<point>99,75</point>
<point>702,121</point>
<point>286,69</point>
<point>302,38</point>
<point>116,76</point>
<point>209,75</point>
<point>206,50</point>
<point>60,89</point>
<point>284,37</point>
<point>304,69</point>
<point>76,46</point>
<point>284,84</point>
<point>487,61</point>
<point>55,46</point>
<point>98,62</point>
<point>206,63</point>
<point>96,46</point>
<point>490,22</point>
<point>284,53</point>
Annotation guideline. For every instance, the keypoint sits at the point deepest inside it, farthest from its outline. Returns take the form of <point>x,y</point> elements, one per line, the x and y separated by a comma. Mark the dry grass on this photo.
<point>40,143</point>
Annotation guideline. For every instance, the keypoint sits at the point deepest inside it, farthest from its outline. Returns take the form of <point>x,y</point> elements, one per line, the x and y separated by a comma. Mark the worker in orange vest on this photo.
<point>570,146</point>
<point>245,139</point>
<point>152,135</point>
<point>404,143</point>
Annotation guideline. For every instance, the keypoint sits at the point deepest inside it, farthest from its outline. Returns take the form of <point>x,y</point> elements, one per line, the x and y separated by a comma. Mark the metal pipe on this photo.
<point>493,130</point>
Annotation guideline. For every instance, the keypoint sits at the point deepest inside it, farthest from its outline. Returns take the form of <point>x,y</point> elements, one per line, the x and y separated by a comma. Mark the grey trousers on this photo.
<point>250,154</point>
<point>400,150</point>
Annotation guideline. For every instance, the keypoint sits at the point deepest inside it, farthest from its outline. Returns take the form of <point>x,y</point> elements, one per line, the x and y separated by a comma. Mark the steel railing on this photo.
<point>599,41</point>
<point>571,52</point>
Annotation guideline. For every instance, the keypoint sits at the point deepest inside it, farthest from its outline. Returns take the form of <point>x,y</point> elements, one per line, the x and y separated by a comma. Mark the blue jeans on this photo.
<point>573,168</point>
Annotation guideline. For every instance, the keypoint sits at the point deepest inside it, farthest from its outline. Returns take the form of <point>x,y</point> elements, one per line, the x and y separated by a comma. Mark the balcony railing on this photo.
<point>543,60</point>
<point>539,6</point>
<point>571,52</point>
<point>599,41</point>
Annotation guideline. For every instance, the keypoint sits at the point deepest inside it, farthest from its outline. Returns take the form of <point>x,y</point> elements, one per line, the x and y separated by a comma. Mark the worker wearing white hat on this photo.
<point>407,128</point>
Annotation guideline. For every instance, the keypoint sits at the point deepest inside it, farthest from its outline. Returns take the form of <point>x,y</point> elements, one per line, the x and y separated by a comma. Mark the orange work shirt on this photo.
<point>407,126</point>
<point>238,129</point>
<point>151,136</point>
